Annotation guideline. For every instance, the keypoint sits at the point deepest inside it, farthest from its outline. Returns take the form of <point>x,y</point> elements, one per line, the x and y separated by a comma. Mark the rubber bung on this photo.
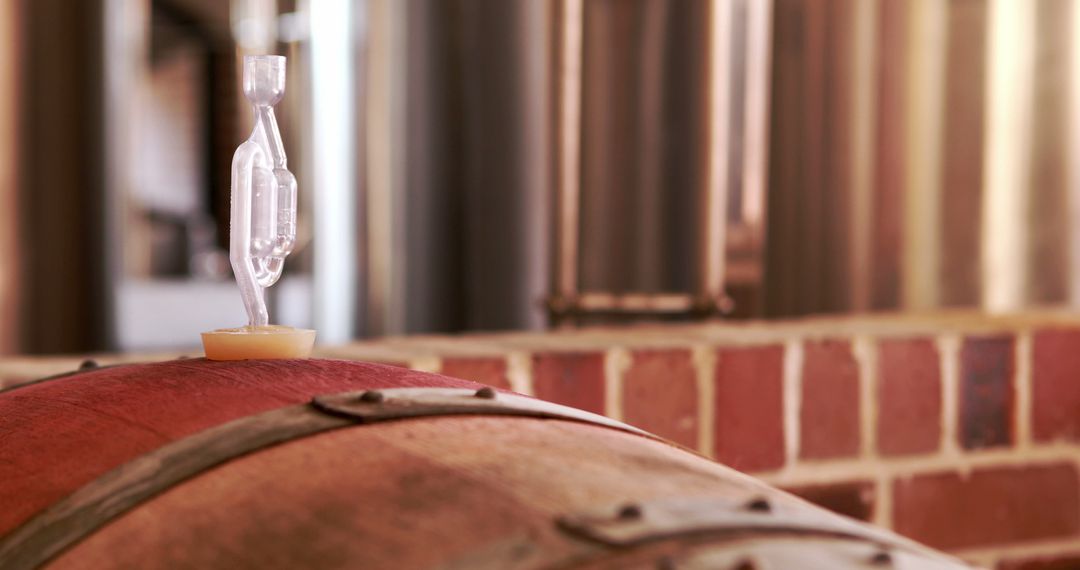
<point>258,342</point>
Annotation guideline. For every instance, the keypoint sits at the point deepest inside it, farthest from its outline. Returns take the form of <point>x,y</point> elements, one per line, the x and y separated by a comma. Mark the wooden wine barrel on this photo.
<point>333,464</point>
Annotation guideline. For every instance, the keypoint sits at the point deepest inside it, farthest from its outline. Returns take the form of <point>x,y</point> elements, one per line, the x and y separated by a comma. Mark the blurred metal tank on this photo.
<point>455,137</point>
<point>662,157</point>
<point>920,155</point>
<point>517,151</point>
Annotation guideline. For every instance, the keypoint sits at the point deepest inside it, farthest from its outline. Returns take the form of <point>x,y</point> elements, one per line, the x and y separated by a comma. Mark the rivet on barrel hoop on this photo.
<point>629,512</point>
<point>666,563</point>
<point>745,564</point>
<point>88,364</point>
<point>372,397</point>
<point>487,393</point>
<point>760,505</point>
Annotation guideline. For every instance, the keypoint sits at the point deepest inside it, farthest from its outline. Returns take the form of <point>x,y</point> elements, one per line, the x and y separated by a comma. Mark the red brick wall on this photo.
<point>961,431</point>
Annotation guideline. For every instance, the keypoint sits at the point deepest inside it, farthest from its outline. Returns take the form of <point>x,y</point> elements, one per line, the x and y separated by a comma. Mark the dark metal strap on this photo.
<point>632,524</point>
<point>397,403</point>
<point>122,489</point>
<point>116,492</point>
<point>85,367</point>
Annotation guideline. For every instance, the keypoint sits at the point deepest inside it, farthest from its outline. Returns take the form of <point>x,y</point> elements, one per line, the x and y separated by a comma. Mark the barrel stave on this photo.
<point>422,493</point>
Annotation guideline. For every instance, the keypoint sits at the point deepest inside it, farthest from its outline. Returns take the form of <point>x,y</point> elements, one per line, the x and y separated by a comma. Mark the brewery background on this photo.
<point>472,165</point>
<point>830,243</point>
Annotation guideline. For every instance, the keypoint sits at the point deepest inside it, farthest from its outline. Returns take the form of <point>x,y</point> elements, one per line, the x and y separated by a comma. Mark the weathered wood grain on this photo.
<point>213,466</point>
<point>57,436</point>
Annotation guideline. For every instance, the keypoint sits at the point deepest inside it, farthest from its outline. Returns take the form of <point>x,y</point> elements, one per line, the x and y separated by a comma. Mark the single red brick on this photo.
<point>829,418</point>
<point>660,395</point>
<point>989,506</point>
<point>570,378</point>
<point>489,370</point>
<point>909,397</point>
<point>749,428</point>
<point>1055,385</point>
<point>852,498</point>
<point>1053,562</point>
<point>986,392</point>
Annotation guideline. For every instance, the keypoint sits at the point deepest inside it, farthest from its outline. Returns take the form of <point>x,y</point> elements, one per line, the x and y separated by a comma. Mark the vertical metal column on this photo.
<point>571,24</point>
<point>711,295</point>
<point>126,27</point>
<point>334,153</point>
<point>10,254</point>
<point>1008,152</point>
<point>1072,237</point>
<point>924,101</point>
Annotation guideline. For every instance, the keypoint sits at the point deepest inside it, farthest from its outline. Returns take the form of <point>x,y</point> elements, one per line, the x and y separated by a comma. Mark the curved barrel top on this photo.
<point>193,463</point>
<point>58,435</point>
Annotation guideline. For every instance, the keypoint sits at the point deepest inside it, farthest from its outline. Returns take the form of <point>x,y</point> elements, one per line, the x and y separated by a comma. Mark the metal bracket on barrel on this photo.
<point>399,403</point>
<point>628,525</point>
<point>746,534</point>
<point>631,524</point>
